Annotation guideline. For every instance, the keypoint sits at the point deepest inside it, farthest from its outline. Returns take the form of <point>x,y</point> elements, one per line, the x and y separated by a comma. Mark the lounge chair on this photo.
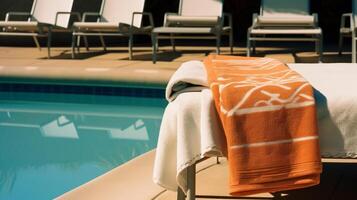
<point>184,142</point>
<point>116,18</point>
<point>194,20</point>
<point>350,31</point>
<point>45,17</point>
<point>291,19</point>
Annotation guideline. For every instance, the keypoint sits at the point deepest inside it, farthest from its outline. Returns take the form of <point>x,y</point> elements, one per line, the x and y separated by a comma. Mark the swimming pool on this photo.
<point>52,142</point>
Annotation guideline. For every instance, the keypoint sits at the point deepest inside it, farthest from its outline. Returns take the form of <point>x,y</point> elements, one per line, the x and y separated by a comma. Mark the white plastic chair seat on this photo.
<point>307,20</point>
<point>96,26</point>
<point>178,20</point>
<point>311,31</point>
<point>19,25</point>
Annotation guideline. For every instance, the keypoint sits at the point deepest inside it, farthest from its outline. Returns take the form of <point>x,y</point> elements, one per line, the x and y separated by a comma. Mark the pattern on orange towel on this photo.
<point>269,117</point>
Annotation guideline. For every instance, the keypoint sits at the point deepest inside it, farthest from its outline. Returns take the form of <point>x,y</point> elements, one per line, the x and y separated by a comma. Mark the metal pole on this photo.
<point>49,40</point>
<point>154,46</point>
<point>353,47</point>
<point>248,43</point>
<point>191,182</point>
<point>180,194</point>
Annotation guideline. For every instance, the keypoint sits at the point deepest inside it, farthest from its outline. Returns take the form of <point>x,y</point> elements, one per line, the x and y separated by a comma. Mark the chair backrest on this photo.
<point>284,8</point>
<point>45,11</point>
<point>201,8</point>
<point>121,11</point>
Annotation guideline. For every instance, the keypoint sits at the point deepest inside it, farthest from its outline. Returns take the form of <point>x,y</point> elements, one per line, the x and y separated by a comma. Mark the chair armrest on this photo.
<point>343,20</point>
<point>76,14</point>
<point>230,19</point>
<point>9,14</point>
<point>86,14</point>
<point>151,19</point>
<point>165,17</point>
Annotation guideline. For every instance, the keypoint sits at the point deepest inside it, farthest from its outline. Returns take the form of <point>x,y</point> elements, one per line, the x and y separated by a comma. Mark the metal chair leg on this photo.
<point>218,44</point>
<point>103,42</point>
<point>180,194</point>
<point>353,48</point>
<point>231,41</point>
<point>321,44</point>
<point>154,45</point>
<point>157,46</point>
<point>36,42</point>
<point>340,43</point>
<point>86,42</point>
<point>172,40</point>
<point>317,45</point>
<point>78,43</point>
<point>49,40</point>
<point>191,182</point>
<point>130,46</point>
<point>73,45</point>
<point>248,44</point>
<point>254,43</point>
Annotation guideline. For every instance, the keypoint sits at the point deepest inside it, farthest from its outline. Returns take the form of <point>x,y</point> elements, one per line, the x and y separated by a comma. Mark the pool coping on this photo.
<point>60,76</point>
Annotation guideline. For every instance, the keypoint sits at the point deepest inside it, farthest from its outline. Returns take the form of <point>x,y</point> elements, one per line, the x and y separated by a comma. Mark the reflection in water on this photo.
<point>137,131</point>
<point>61,145</point>
<point>61,127</point>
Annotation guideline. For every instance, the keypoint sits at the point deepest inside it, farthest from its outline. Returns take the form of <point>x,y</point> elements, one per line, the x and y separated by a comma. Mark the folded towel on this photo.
<point>268,115</point>
<point>190,127</point>
<point>190,77</point>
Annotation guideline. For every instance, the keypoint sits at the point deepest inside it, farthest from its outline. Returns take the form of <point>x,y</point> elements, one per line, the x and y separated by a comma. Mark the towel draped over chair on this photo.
<point>268,115</point>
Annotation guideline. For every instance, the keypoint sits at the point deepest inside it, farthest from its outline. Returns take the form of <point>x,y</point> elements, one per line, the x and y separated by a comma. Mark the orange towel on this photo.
<point>269,117</point>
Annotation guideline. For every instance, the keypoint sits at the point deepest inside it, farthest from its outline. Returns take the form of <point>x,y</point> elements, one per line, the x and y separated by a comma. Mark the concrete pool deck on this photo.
<point>96,67</point>
<point>133,180</point>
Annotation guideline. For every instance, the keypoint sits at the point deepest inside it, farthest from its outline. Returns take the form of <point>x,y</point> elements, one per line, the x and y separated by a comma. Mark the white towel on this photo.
<point>190,128</point>
<point>190,77</point>
<point>336,98</point>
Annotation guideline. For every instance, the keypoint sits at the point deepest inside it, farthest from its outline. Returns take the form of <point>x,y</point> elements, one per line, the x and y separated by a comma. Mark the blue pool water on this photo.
<point>51,143</point>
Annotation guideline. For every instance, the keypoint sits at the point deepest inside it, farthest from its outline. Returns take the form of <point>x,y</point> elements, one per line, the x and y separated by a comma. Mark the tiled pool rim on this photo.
<point>120,90</point>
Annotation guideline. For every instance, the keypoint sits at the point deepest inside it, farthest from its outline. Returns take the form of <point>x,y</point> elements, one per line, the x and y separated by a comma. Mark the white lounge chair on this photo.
<point>194,19</point>
<point>116,18</point>
<point>45,17</point>
<point>350,31</point>
<point>288,18</point>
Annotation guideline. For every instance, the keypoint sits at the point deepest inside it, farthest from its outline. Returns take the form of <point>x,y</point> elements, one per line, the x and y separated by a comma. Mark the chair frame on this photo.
<point>76,34</point>
<point>43,30</point>
<point>172,33</point>
<point>315,35</point>
<point>348,31</point>
<point>191,182</point>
